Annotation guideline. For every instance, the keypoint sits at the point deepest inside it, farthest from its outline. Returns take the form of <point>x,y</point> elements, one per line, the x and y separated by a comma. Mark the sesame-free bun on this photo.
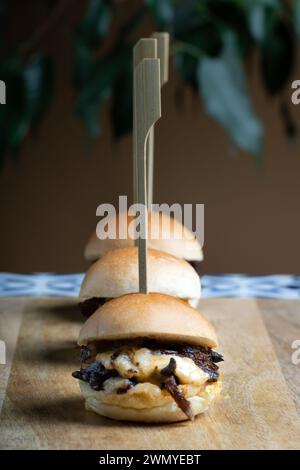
<point>152,315</point>
<point>116,274</point>
<point>180,242</point>
<point>147,403</point>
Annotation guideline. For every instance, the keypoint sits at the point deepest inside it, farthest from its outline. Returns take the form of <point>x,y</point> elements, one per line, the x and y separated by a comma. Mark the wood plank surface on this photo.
<point>43,408</point>
<point>11,310</point>
<point>282,320</point>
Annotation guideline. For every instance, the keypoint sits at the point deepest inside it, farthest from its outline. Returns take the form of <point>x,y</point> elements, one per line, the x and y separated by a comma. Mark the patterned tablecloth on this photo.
<point>225,285</point>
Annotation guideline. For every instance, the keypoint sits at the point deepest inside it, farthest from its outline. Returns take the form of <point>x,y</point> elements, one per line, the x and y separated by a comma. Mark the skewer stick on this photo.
<point>147,110</point>
<point>163,40</point>
<point>145,48</point>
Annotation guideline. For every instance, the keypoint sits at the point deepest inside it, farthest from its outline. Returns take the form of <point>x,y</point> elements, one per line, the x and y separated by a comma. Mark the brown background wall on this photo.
<point>49,199</point>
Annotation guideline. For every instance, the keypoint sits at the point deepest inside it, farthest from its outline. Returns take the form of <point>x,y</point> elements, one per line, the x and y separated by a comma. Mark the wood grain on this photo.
<point>44,409</point>
<point>163,40</point>
<point>10,321</point>
<point>147,110</point>
<point>282,319</point>
<point>144,48</point>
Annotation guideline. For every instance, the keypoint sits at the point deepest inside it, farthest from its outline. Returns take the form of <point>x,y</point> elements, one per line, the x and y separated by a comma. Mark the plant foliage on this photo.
<point>212,42</point>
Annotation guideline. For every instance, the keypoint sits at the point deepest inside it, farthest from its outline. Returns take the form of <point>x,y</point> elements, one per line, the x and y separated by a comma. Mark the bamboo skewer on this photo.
<point>145,48</point>
<point>147,110</point>
<point>163,40</point>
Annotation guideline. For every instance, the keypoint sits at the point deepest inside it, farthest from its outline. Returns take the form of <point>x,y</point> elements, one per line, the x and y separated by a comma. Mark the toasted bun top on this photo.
<point>156,316</point>
<point>180,242</point>
<point>116,274</point>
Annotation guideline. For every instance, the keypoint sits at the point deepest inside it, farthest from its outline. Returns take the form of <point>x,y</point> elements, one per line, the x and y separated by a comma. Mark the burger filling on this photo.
<point>179,370</point>
<point>89,306</point>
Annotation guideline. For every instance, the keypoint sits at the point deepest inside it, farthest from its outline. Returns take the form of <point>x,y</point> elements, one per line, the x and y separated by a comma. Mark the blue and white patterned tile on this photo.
<point>239,285</point>
<point>40,284</point>
<point>225,285</point>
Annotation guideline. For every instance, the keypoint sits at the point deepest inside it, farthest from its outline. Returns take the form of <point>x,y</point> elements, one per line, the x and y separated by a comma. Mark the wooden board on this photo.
<point>10,321</point>
<point>43,408</point>
<point>282,320</point>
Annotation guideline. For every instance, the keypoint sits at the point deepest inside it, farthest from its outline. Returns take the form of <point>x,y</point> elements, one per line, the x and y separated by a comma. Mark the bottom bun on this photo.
<point>167,412</point>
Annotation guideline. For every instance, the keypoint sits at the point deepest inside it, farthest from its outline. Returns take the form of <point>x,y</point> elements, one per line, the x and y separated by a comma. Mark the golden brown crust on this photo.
<point>116,274</point>
<point>187,247</point>
<point>151,315</point>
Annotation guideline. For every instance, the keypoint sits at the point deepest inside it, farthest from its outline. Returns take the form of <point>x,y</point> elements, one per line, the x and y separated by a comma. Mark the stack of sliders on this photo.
<point>148,357</point>
<point>179,240</point>
<point>185,246</point>
<point>116,274</point>
<point>146,354</point>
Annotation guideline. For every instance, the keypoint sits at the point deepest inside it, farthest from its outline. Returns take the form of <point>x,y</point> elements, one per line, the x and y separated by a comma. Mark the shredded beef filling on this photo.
<point>170,383</point>
<point>89,306</point>
<point>204,358</point>
<point>170,368</point>
<point>96,374</point>
<point>85,354</point>
<point>171,386</point>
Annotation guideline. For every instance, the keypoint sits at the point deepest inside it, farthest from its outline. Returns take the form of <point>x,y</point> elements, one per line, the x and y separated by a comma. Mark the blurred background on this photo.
<point>227,137</point>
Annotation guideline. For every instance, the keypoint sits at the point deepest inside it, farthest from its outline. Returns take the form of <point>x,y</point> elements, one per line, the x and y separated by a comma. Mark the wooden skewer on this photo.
<point>163,40</point>
<point>147,110</point>
<point>145,48</point>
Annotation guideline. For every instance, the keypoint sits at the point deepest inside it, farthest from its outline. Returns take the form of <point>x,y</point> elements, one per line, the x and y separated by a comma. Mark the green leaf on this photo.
<point>121,109</point>
<point>186,17</point>
<point>231,15</point>
<point>186,65</point>
<point>262,15</point>
<point>95,25</point>
<point>206,38</point>
<point>90,115</point>
<point>38,77</point>
<point>162,12</point>
<point>84,63</point>
<point>277,57</point>
<point>296,14</point>
<point>29,90</point>
<point>99,85</point>
<point>203,39</point>
<point>257,21</point>
<point>88,106</point>
<point>14,117</point>
<point>222,84</point>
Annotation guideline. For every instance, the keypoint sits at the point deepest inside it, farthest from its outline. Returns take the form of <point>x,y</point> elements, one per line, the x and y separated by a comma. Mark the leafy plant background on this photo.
<point>213,45</point>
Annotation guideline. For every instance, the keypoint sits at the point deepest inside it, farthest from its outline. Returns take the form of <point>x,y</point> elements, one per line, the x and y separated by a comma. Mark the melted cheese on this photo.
<point>115,383</point>
<point>145,365</point>
<point>146,395</point>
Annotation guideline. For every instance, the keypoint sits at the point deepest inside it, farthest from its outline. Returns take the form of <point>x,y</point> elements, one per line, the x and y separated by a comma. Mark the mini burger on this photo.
<point>116,274</point>
<point>164,234</point>
<point>149,358</point>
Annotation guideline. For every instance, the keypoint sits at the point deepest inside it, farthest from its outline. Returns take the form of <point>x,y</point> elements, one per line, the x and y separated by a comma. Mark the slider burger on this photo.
<point>150,358</point>
<point>116,274</point>
<point>169,236</point>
